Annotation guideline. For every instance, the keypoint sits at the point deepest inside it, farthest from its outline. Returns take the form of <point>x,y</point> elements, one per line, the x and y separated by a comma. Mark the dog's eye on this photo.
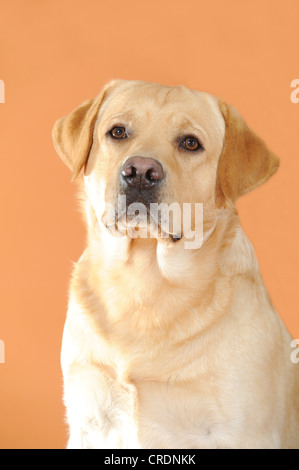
<point>191,143</point>
<point>118,132</point>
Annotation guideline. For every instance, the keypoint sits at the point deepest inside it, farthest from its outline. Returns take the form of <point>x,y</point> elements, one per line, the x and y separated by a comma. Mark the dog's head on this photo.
<point>153,144</point>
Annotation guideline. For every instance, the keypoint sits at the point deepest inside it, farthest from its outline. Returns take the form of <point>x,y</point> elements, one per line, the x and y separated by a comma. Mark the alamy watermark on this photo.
<point>162,220</point>
<point>295,353</point>
<point>2,92</point>
<point>2,352</point>
<point>295,93</point>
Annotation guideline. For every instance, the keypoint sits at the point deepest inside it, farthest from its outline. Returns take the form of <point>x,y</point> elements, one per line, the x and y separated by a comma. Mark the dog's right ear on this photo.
<point>72,134</point>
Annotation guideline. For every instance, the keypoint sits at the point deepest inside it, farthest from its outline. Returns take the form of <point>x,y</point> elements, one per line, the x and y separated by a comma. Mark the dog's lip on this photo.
<point>121,222</point>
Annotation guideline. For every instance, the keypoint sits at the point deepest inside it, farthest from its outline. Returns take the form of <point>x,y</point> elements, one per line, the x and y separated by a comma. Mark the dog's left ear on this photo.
<point>245,162</point>
<point>72,134</point>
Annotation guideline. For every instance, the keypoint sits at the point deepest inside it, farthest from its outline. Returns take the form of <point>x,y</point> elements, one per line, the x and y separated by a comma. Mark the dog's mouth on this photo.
<point>161,221</point>
<point>136,223</point>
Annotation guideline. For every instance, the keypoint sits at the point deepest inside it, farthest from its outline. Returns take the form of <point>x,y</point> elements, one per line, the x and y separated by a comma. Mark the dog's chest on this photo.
<point>167,416</point>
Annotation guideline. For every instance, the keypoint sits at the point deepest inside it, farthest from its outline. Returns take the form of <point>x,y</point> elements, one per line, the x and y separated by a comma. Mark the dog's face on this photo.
<point>156,144</point>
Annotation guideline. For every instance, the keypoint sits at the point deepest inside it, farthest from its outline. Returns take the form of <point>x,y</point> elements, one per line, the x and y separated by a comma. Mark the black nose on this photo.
<point>142,172</point>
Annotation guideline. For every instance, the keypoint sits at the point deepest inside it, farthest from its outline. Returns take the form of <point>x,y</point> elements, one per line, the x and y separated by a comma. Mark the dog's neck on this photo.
<point>143,270</point>
<point>145,293</point>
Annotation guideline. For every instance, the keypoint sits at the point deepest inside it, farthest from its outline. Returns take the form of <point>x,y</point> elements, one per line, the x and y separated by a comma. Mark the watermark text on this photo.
<point>164,220</point>
<point>295,93</point>
<point>2,92</point>
<point>295,353</point>
<point>2,352</point>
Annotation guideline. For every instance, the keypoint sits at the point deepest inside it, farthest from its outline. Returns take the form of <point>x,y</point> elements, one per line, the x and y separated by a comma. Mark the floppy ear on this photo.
<point>245,162</point>
<point>72,134</point>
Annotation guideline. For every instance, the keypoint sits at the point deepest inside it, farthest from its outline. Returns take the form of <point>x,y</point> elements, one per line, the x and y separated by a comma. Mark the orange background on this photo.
<point>55,54</point>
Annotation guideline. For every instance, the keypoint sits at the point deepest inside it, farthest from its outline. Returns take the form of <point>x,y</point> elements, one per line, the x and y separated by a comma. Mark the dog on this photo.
<point>167,345</point>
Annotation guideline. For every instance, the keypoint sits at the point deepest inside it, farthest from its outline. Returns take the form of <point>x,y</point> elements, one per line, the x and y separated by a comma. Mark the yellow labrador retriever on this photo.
<point>170,345</point>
